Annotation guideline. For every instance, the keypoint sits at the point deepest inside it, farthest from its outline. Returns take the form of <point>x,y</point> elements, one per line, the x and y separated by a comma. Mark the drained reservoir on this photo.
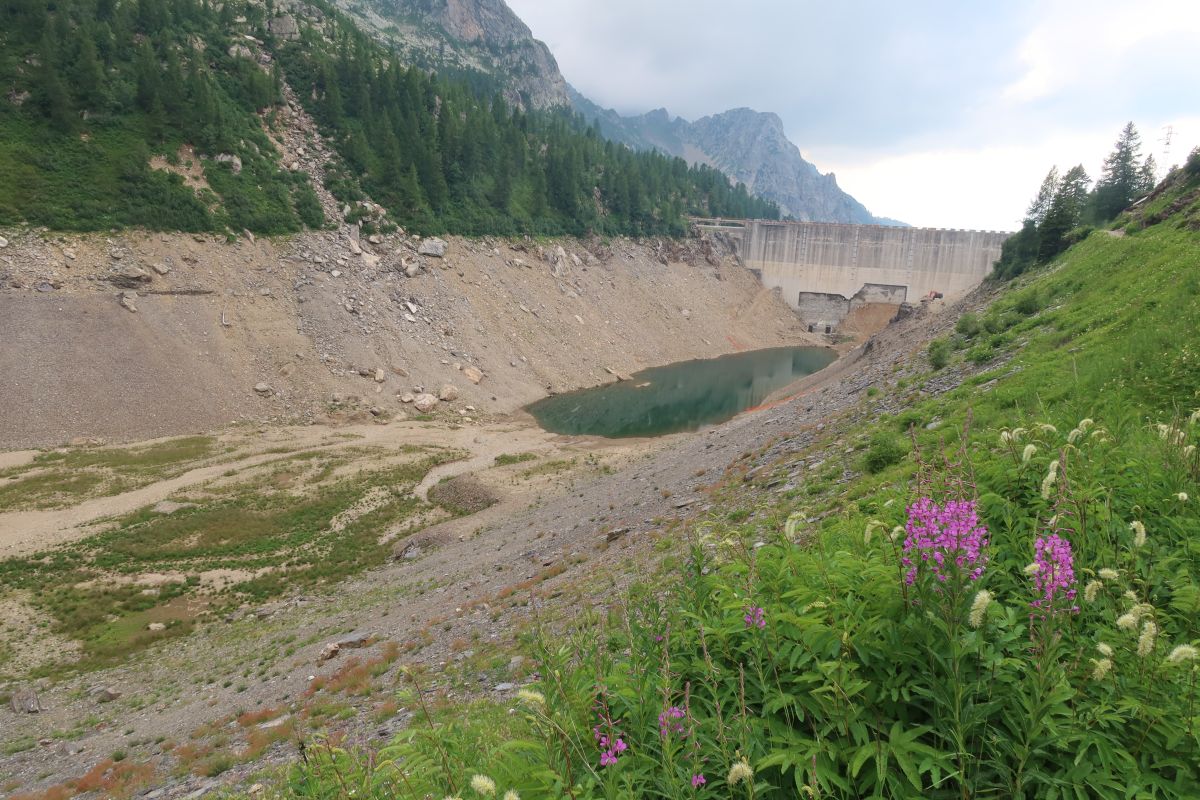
<point>679,397</point>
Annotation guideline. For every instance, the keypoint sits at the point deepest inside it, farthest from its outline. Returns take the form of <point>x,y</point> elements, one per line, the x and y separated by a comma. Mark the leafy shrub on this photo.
<point>884,450</point>
<point>939,353</point>
<point>1028,303</point>
<point>968,325</point>
<point>981,353</point>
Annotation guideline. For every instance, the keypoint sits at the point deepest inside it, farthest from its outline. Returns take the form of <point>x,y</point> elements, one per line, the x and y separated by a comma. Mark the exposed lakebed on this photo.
<point>679,397</point>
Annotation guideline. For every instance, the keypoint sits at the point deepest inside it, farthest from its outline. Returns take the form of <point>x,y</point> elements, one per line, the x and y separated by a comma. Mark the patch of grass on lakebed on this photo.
<point>59,478</point>
<point>262,537</point>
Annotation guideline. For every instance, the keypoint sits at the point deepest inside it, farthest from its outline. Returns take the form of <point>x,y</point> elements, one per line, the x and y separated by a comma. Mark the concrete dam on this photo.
<point>825,270</point>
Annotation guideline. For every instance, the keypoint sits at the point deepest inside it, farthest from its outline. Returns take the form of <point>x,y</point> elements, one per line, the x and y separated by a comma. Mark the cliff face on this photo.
<point>481,35</point>
<point>748,146</point>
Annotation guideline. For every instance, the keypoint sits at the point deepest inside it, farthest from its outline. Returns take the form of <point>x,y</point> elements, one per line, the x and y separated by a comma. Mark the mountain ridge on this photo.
<point>749,146</point>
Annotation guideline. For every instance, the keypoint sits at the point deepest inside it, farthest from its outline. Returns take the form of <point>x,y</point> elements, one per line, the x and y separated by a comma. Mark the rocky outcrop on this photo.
<point>483,35</point>
<point>748,146</point>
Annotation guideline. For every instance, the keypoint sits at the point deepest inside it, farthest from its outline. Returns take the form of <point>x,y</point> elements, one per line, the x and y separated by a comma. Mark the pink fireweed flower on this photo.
<point>945,540</point>
<point>755,618</point>
<point>1054,580</point>
<point>669,721</point>
<point>698,781</point>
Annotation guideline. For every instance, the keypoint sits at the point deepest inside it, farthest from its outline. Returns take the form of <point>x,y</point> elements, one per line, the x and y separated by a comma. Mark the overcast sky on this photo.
<point>943,114</point>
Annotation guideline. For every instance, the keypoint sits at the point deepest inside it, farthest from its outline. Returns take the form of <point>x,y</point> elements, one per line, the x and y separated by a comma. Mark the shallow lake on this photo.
<point>679,397</point>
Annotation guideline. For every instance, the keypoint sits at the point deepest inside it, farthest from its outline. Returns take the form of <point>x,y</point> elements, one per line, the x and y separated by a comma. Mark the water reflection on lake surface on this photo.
<point>679,397</point>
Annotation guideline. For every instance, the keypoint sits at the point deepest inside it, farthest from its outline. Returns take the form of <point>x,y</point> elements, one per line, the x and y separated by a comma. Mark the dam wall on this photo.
<point>814,263</point>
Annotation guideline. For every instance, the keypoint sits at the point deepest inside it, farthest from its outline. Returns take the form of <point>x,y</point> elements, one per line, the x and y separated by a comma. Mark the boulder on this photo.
<point>240,51</point>
<point>284,27</point>
<point>25,701</point>
<point>234,162</point>
<point>380,375</point>
<point>155,627</point>
<point>407,397</point>
<point>473,374</point>
<point>263,389</point>
<point>3,243</point>
<point>353,641</point>
<point>161,269</point>
<point>131,277</point>
<point>127,300</point>
<point>448,393</point>
<point>425,402</point>
<point>329,651</point>
<point>103,694</point>
<point>433,247</point>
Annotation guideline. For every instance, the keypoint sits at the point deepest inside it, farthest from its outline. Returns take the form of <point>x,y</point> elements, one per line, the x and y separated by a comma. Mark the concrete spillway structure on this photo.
<point>824,270</point>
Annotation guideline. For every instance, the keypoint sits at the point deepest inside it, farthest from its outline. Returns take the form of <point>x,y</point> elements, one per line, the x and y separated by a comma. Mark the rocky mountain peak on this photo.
<point>481,35</point>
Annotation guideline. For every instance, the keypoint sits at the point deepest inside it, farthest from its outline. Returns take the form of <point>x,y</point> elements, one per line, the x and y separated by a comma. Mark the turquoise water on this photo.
<point>679,397</point>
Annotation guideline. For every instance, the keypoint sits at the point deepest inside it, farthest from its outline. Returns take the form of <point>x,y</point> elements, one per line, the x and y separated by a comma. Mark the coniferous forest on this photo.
<point>97,88</point>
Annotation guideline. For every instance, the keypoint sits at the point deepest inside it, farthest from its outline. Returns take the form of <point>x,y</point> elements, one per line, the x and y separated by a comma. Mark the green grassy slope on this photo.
<point>860,684</point>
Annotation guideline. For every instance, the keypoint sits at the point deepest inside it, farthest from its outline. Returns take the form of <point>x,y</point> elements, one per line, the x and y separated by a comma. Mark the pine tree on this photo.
<point>1041,204</point>
<point>1064,214</point>
<point>88,74</point>
<point>1121,178</point>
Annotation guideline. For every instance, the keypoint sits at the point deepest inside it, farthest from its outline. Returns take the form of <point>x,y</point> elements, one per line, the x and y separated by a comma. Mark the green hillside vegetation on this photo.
<point>96,88</point>
<point>443,155</point>
<point>1057,658</point>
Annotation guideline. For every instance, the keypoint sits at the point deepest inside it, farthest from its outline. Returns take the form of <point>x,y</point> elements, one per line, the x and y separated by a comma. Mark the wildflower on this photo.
<point>1146,640</point>
<point>1055,578</point>
<point>483,786</point>
<point>1091,590</point>
<point>1130,596</point>
<point>1184,652</point>
<point>1171,434</point>
<point>531,697</point>
<point>739,772</point>
<point>872,526</point>
<point>1046,427</point>
<point>511,794</point>
<point>669,722</point>
<point>1139,533</point>
<point>755,618</point>
<point>896,533</point>
<point>939,535</point>
<point>1195,417</point>
<point>698,781</point>
<point>1027,454</point>
<point>1074,435</point>
<point>1103,665</point>
<point>1189,451</point>
<point>1109,574</point>
<point>1006,438</point>
<point>1127,622</point>
<point>1048,481</point>
<point>1183,497</point>
<point>608,758</point>
<point>1032,569</point>
<point>1104,650</point>
<point>979,608</point>
<point>1085,424</point>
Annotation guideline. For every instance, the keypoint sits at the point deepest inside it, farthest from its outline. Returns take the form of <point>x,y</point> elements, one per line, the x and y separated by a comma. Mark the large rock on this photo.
<point>131,277</point>
<point>263,389</point>
<point>448,393</point>
<point>425,402</point>
<point>473,374</point>
<point>284,27</point>
<point>234,162</point>
<point>433,247</point>
<point>25,701</point>
<point>3,243</point>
